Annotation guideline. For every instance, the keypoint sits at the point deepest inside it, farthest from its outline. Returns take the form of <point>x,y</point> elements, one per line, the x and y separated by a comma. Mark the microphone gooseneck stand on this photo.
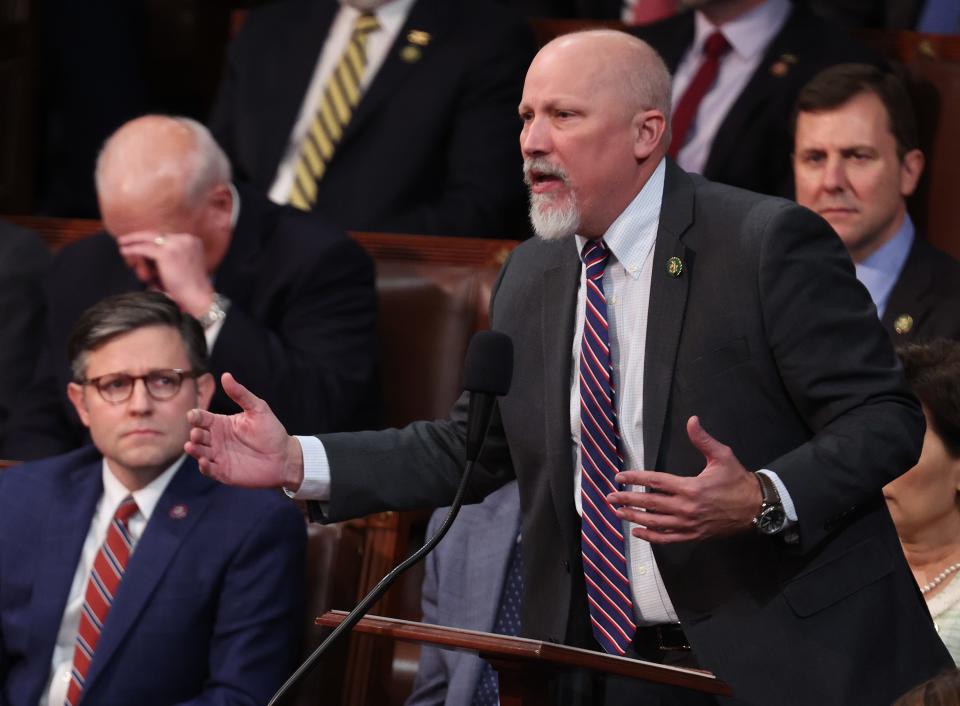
<point>364,605</point>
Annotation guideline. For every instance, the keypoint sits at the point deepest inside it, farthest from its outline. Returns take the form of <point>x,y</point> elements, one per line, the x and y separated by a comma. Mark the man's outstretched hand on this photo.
<point>249,449</point>
<point>722,500</point>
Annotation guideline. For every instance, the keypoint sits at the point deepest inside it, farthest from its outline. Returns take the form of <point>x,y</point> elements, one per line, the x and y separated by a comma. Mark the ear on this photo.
<point>649,127</point>
<point>75,393</point>
<point>911,167</point>
<point>206,386</point>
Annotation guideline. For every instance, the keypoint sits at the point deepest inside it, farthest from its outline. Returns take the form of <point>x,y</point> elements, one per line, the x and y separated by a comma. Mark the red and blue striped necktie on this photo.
<point>602,540</point>
<point>108,568</point>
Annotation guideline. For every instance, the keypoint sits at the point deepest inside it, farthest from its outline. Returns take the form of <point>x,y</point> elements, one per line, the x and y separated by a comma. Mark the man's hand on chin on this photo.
<point>250,449</point>
<point>722,500</point>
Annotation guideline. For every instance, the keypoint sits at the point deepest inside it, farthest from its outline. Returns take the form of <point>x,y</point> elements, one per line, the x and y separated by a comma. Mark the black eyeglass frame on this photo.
<point>179,374</point>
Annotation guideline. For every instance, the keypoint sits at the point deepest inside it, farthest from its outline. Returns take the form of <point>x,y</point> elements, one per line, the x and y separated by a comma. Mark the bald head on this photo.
<point>160,164</point>
<point>595,113</point>
<point>613,61</point>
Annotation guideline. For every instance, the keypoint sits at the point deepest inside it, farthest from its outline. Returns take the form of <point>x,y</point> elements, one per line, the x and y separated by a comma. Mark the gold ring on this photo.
<point>160,240</point>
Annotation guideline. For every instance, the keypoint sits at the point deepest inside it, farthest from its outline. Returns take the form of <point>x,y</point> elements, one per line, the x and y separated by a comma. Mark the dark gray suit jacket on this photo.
<point>769,338</point>
<point>462,589</point>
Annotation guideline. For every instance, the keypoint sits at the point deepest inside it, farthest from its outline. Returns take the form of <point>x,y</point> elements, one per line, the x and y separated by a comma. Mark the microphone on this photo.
<point>487,372</point>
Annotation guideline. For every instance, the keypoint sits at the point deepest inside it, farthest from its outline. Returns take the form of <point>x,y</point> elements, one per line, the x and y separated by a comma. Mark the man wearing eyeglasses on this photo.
<point>126,577</point>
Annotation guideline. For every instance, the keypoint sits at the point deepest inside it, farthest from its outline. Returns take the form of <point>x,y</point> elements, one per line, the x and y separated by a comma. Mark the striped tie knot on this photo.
<point>366,23</point>
<point>595,255</point>
<point>125,510</point>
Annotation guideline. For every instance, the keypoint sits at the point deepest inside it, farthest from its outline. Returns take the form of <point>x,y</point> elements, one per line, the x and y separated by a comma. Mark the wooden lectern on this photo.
<point>515,658</point>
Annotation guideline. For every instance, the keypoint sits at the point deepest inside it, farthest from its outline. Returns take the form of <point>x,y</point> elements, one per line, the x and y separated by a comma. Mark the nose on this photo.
<point>140,401</point>
<point>535,138</point>
<point>834,174</point>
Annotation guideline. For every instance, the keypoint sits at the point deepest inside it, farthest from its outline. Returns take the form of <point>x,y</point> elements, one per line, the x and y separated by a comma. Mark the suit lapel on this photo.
<point>68,515</point>
<point>909,293</point>
<point>162,538</point>
<point>425,16</point>
<point>558,321</point>
<point>668,301</point>
<point>764,84</point>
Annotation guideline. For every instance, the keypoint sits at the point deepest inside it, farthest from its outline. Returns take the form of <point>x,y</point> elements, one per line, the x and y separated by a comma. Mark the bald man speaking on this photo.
<point>677,336</point>
<point>283,296</point>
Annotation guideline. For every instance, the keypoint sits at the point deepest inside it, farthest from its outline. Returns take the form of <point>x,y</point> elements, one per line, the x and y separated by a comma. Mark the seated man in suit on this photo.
<point>390,115</point>
<point>473,580</point>
<point>856,160</point>
<point>23,260</point>
<point>737,66</point>
<point>280,293</point>
<point>126,577</point>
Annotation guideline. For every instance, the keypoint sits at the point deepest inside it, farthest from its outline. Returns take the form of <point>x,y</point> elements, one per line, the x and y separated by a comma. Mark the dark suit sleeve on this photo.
<point>432,681</point>
<point>839,371</point>
<point>23,261</point>
<point>259,621</point>
<point>314,362</point>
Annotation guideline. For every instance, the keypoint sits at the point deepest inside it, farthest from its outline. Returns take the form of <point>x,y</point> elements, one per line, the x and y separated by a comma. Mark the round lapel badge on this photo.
<point>903,323</point>
<point>178,511</point>
<point>674,266</point>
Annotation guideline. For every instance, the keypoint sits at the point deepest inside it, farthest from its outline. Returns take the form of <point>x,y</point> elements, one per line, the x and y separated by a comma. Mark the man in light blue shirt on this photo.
<point>856,160</point>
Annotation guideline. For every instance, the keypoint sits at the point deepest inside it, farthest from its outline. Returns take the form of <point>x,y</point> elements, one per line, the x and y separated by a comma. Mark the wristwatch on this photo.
<point>217,311</point>
<point>772,518</point>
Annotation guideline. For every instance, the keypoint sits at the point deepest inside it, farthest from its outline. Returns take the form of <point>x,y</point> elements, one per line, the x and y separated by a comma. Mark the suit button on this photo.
<point>566,565</point>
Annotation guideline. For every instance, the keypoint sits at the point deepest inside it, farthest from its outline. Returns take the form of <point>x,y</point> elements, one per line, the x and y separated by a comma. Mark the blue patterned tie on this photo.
<point>507,623</point>
<point>602,541</point>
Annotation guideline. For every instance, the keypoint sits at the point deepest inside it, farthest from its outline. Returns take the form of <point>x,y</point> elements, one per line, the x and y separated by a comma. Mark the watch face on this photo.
<point>772,520</point>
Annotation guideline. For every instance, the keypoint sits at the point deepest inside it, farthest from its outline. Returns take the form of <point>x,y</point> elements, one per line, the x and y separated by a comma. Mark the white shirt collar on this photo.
<point>632,234</point>
<point>750,33</point>
<point>146,498</point>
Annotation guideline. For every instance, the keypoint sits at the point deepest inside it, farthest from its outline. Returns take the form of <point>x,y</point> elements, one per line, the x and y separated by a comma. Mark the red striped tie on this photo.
<point>105,577</point>
<point>601,539</point>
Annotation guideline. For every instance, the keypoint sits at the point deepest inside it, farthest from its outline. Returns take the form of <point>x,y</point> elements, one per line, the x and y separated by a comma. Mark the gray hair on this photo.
<point>123,313</point>
<point>207,163</point>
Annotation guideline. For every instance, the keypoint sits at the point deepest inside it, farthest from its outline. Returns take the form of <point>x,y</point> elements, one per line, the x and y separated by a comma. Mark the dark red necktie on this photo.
<point>108,568</point>
<point>713,49</point>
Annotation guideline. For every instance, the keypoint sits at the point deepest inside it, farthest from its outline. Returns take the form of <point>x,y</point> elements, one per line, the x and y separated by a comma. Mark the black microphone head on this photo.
<point>488,366</point>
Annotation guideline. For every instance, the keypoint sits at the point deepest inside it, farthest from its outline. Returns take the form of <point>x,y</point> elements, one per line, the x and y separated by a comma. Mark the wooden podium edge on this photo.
<point>543,654</point>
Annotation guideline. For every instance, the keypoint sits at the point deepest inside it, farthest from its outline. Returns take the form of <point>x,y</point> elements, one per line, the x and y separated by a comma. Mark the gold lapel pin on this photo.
<point>781,67</point>
<point>674,266</point>
<point>418,37</point>
<point>903,323</point>
<point>410,54</point>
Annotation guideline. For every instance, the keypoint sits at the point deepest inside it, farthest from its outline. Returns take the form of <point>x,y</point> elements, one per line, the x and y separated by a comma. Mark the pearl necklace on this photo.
<point>938,579</point>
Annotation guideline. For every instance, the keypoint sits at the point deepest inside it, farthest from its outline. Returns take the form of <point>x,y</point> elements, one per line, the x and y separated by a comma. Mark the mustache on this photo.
<point>544,168</point>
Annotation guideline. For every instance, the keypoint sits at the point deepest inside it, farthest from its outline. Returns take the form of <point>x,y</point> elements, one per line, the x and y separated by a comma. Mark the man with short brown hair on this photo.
<point>856,160</point>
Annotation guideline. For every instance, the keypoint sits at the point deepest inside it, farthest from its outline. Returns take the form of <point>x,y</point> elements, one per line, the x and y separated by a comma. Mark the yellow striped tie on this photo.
<point>339,99</point>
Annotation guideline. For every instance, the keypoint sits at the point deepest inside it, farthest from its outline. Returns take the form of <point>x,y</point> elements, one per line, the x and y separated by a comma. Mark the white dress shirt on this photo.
<point>391,16</point>
<point>749,35</point>
<point>113,494</point>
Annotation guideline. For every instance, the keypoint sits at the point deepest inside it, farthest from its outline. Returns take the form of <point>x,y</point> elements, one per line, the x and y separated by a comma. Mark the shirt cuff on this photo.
<point>791,534</point>
<point>316,471</point>
<point>212,333</point>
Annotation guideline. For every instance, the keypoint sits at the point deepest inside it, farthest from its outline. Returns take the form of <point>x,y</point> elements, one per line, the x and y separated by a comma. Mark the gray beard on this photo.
<point>553,223</point>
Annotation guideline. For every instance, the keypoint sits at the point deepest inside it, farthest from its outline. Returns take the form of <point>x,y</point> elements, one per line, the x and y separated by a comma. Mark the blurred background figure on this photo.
<point>856,160</point>
<point>283,296</point>
<point>925,501</point>
<point>943,690</point>
<point>385,115</point>
<point>737,67</point>
<point>23,261</point>
<point>473,580</point>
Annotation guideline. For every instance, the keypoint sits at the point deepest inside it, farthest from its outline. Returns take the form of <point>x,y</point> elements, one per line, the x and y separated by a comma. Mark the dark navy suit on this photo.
<point>209,610</point>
